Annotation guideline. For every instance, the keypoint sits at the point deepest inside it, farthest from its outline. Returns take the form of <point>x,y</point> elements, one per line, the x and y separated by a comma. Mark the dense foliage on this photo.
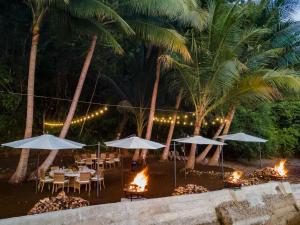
<point>127,79</point>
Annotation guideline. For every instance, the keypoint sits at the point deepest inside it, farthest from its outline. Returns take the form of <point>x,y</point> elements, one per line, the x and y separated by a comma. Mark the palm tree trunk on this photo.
<point>191,159</point>
<point>171,129</point>
<point>202,156</point>
<point>153,104</point>
<point>20,173</point>
<point>49,160</point>
<point>215,158</point>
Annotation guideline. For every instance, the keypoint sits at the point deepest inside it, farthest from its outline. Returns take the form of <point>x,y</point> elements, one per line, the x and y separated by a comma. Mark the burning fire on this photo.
<point>236,175</point>
<point>280,168</point>
<point>140,181</point>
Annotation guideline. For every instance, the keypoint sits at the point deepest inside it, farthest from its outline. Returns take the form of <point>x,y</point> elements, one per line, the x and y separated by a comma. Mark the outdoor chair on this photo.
<point>111,160</point>
<point>53,168</point>
<point>170,155</point>
<point>117,159</point>
<point>103,156</point>
<point>89,162</point>
<point>59,180</point>
<point>83,179</point>
<point>99,178</point>
<point>93,156</point>
<point>83,156</point>
<point>44,180</point>
<point>78,160</point>
<point>100,162</point>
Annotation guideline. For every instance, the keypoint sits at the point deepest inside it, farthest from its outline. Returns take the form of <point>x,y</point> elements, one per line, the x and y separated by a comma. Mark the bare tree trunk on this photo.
<point>171,129</point>
<point>202,156</point>
<point>20,173</point>
<point>49,160</point>
<point>215,158</point>
<point>191,159</point>
<point>153,105</point>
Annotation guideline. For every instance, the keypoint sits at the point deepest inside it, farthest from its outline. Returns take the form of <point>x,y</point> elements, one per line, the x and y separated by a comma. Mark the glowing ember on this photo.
<point>140,181</point>
<point>236,175</point>
<point>280,168</point>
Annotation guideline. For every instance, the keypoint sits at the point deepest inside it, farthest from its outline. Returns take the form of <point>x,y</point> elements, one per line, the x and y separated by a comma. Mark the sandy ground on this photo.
<point>17,200</point>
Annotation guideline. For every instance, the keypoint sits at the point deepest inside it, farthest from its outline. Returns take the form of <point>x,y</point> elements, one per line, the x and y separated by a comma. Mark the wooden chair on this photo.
<point>83,156</point>
<point>100,162</point>
<point>117,159</point>
<point>44,180</point>
<point>89,162</point>
<point>83,179</point>
<point>53,168</point>
<point>99,178</point>
<point>78,160</point>
<point>111,160</point>
<point>59,180</point>
<point>94,156</point>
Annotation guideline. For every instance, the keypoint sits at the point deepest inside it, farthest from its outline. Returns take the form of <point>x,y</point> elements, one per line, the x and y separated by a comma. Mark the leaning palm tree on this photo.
<point>158,33</point>
<point>42,9</point>
<point>101,14</point>
<point>217,66</point>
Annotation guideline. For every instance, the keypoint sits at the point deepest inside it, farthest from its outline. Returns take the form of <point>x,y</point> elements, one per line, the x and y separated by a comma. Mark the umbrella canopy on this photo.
<point>46,141</point>
<point>134,143</point>
<point>199,140</point>
<point>242,137</point>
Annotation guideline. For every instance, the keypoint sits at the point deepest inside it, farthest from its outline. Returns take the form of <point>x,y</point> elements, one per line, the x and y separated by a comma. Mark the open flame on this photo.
<point>140,181</point>
<point>280,168</point>
<point>236,175</point>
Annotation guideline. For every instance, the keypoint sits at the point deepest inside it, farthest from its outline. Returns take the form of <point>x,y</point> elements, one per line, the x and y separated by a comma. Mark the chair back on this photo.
<point>111,155</point>
<point>83,156</point>
<point>42,174</point>
<point>93,156</point>
<point>52,168</point>
<point>103,156</point>
<point>101,173</point>
<point>77,158</point>
<point>88,161</point>
<point>59,177</point>
<point>84,176</point>
<point>100,161</point>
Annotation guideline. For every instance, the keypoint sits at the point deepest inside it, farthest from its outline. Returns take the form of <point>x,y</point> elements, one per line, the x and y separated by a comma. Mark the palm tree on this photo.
<point>101,14</point>
<point>160,37</point>
<point>218,67</point>
<point>41,9</point>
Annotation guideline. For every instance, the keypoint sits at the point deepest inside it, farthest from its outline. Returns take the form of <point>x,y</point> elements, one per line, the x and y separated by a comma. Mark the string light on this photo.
<point>79,120</point>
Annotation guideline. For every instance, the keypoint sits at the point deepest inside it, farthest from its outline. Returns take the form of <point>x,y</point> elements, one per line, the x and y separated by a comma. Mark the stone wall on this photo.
<point>260,204</point>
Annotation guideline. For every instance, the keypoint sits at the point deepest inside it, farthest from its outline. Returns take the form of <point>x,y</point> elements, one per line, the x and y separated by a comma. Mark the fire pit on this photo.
<point>234,181</point>
<point>138,187</point>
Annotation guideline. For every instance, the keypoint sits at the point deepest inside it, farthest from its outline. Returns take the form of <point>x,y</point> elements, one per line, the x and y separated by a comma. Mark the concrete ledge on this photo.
<point>187,209</point>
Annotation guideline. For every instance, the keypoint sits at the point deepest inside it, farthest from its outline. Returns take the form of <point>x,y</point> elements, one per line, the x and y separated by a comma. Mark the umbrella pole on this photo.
<point>222,163</point>
<point>122,180</point>
<point>260,155</point>
<point>98,154</point>
<point>174,156</point>
<point>184,161</point>
<point>37,171</point>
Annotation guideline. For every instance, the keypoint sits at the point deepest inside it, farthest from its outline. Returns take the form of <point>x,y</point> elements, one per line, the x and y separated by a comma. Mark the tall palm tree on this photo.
<point>42,9</point>
<point>101,14</point>
<point>157,32</point>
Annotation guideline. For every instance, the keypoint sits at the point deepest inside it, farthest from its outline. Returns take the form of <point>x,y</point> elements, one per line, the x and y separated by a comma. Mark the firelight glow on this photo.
<point>141,180</point>
<point>280,168</point>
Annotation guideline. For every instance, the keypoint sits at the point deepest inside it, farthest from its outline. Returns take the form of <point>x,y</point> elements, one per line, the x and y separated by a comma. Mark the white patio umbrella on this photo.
<point>44,142</point>
<point>199,140</point>
<point>133,142</point>
<point>244,138</point>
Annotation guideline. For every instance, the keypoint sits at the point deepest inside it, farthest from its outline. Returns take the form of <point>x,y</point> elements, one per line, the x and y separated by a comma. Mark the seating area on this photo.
<point>105,160</point>
<point>83,174</point>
